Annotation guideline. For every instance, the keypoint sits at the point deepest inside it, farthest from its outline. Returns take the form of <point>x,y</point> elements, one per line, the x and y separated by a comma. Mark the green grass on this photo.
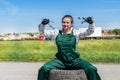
<point>103,51</point>
<point>100,50</point>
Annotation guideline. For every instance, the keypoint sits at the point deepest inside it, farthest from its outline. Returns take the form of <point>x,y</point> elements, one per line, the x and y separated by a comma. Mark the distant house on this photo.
<point>97,32</point>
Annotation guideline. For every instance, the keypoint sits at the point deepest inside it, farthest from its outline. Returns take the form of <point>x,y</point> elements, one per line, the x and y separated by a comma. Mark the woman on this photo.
<point>67,57</point>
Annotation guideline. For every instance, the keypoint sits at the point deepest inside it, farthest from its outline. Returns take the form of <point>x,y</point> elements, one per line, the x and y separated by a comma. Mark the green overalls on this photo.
<point>67,58</point>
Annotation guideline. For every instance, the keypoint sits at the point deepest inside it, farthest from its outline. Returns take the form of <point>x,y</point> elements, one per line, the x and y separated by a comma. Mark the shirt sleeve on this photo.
<point>86,33</point>
<point>47,33</point>
<point>51,33</point>
<point>41,29</point>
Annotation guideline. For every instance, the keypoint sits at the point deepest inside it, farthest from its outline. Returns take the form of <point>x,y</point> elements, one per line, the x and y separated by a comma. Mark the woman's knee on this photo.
<point>90,68</point>
<point>93,68</point>
<point>44,68</point>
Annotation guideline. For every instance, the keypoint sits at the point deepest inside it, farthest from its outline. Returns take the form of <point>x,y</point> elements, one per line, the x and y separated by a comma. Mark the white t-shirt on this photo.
<point>78,35</point>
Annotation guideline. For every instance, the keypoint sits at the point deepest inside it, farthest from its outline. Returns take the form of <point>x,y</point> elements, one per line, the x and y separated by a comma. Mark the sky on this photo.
<point>20,16</point>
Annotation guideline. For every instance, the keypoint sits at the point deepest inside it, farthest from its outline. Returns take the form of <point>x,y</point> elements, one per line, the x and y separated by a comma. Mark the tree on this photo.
<point>116,31</point>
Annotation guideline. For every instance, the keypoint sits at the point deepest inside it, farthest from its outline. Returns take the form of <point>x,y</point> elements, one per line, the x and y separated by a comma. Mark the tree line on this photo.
<point>112,31</point>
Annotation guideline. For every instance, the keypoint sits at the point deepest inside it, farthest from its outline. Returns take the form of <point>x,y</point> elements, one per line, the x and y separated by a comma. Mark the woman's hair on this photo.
<point>68,16</point>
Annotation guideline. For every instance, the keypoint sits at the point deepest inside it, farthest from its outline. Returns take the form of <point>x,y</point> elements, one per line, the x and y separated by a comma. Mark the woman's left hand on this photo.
<point>88,20</point>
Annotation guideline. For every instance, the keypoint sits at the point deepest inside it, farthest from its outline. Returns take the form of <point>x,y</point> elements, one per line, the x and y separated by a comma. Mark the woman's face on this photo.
<point>66,23</point>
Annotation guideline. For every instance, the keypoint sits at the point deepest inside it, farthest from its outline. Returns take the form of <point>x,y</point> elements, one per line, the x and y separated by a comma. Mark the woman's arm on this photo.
<point>41,29</point>
<point>88,32</point>
<point>90,29</point>
<point>47,33</point>
<point>41,26</point>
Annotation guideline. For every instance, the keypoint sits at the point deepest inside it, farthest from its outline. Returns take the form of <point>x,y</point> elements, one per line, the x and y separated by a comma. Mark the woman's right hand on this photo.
<point>45,21</point>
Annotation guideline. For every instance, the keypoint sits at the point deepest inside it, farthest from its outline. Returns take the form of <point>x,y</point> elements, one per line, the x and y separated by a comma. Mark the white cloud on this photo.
<point>113,25</point>
<point>8,7</point>
<point>8,30</point>
<point>109,25</point>
<point>108,10</point>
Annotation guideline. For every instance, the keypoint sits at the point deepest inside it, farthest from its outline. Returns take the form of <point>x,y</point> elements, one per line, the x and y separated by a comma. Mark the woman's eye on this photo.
<point>67,22</point>
<point>63,22</point>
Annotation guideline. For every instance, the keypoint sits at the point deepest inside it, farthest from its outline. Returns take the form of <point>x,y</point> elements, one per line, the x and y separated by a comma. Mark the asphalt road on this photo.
<point>29,70</point>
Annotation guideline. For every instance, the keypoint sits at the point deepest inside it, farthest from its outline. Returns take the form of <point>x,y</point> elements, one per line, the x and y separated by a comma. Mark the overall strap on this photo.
<point>60,31</point>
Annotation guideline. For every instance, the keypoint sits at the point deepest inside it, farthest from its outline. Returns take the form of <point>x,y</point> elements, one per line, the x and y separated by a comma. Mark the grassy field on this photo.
<point>103,51</point>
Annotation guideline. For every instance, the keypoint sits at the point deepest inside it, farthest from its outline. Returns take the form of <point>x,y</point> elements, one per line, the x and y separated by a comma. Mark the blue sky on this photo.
<point>18,16</point>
